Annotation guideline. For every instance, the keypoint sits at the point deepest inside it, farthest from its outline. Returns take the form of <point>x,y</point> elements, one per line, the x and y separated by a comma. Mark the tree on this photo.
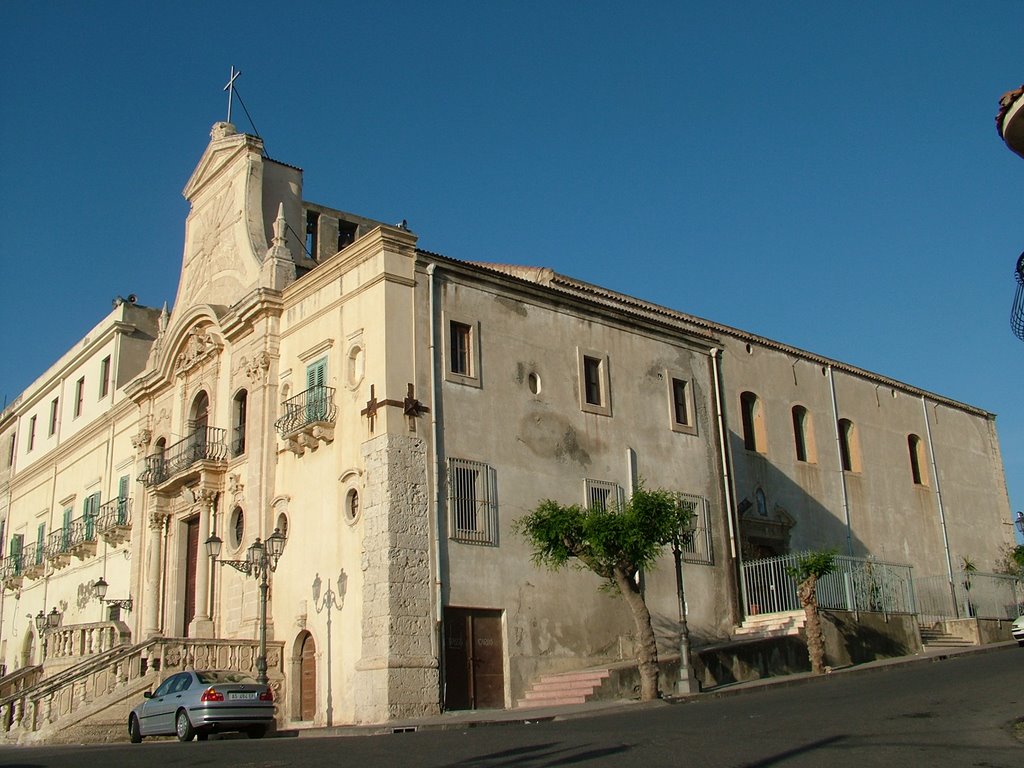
<point>809,567</point>
<point>1012,562</point>
<point>615,543</point>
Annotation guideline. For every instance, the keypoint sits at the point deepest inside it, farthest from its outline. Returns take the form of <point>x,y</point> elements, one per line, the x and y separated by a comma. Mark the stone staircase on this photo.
<point>935,637</point>
<point>97,684</point>
<point>766,625</point>
<point>564,688</point>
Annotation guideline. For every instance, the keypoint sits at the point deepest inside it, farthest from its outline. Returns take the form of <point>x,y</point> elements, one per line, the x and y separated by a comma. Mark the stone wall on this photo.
<point>398,671</point>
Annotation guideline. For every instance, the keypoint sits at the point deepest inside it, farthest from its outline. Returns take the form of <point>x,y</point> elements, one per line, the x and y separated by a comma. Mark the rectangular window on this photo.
<point>603,495</point>
<point>40,544</point>
<point>54,410</point>
<point>460,346</point>
<point>680,404</point>
<point>17,545</point>
<point>594,382</point>
<point>79,395</point>
<point>472,502</point>
<point>31,434</point>
<point>696,540</point>
<point>317,401</point>
<point>10,449</point>
<point>105,376</point>
<point>462,351</point>
<point>122,500</point>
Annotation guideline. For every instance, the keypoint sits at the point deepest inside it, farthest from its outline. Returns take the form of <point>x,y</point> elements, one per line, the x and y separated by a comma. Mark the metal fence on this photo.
<point>857,584</point>
<point>970,594</point>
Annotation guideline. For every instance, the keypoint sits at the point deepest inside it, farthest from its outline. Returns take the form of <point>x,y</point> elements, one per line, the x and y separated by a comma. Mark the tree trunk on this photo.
<point>647,647</point>
<point>807,591</point>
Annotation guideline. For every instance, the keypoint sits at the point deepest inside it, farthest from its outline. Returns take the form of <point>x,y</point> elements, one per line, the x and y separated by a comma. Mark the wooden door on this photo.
<point>474,659</point>
<point>191,561</point>
<point>307,679</point>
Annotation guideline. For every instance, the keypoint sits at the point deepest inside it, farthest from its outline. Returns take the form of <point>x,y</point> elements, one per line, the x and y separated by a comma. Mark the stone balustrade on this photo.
<point>107,673</point>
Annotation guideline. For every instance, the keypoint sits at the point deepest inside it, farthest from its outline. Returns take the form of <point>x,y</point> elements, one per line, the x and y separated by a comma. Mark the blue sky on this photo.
<point>826,175</point>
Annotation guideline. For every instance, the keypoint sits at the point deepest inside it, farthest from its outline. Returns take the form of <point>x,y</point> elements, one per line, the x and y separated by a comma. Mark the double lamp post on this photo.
<point>260,561</point>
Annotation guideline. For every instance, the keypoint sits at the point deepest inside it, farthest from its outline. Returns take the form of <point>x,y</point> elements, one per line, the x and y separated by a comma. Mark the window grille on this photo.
<point>603,495</point>
<point>472,502</point>
<point>696,541</point>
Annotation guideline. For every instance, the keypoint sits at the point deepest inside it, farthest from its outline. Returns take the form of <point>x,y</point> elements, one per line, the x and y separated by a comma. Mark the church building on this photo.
<point>382,415</point>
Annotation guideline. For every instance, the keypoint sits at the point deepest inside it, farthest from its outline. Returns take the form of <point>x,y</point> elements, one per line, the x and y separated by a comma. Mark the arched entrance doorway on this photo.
<point>307,677</point>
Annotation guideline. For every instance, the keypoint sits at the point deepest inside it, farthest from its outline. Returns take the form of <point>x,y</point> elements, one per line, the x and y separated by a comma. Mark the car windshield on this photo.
<point>220,676</point>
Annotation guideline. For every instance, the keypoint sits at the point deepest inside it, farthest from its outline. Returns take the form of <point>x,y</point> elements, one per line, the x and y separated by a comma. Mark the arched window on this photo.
<point>754,437</point>
<point>238,408</point>
<point>803,435</point>
<point>916,448</point>
<point>199,416</point>
<point>849,450</point>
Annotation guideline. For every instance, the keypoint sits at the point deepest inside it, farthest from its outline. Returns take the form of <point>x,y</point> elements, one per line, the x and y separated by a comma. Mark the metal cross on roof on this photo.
<point>230,88</point>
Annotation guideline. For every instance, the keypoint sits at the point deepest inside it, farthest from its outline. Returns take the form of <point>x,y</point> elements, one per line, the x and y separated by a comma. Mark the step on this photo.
<point>528,702</point>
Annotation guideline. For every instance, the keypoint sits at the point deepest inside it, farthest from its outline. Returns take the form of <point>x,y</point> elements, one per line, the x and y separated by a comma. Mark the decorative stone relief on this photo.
<point>141,440</point>
<point>236,488</point>
<point>258,368</point>
<point>199,347</point>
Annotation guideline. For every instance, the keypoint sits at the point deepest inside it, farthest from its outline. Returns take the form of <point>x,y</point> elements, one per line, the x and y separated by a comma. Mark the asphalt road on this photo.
<point>956,712</point>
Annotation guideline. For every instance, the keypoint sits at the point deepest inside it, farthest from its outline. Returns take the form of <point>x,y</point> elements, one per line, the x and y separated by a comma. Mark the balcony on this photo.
<point>114,521</point>
<point>11,572</point>
<point>33,560</point>
<point>308,419</point>
<point>169,470</point>
<point>58,548</point>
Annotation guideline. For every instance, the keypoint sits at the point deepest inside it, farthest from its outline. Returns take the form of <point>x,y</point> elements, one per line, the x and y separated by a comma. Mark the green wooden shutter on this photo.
<point>122,499</point>
<point>40,543</point>
<point>17,545</point>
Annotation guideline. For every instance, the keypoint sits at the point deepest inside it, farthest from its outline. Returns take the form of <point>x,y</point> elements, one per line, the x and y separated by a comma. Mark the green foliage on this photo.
<point>628,538</point>
<point>1017,555</point>
<point>815,564</point>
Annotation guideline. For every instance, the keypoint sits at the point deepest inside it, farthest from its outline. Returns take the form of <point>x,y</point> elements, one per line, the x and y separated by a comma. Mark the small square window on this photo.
<point>462,351</point>
<point>595,392</point>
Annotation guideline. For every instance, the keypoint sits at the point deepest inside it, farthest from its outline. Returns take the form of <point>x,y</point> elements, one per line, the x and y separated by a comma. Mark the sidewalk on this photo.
<point>463,719</point>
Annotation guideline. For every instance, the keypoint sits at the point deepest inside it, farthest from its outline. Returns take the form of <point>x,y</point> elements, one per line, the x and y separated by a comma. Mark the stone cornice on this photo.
<point>259,303</point>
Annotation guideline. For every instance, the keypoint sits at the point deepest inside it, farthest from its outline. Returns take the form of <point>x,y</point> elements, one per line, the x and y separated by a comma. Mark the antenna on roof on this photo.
<point>232,95</point>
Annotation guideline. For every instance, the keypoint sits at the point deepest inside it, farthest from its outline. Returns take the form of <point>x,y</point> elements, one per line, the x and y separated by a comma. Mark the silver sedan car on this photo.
<point>196,703</point>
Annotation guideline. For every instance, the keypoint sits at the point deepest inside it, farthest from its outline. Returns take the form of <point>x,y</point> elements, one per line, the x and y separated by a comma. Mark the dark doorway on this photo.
<point>191,561</point>
<point>474,659</point>
<point>307,679</point>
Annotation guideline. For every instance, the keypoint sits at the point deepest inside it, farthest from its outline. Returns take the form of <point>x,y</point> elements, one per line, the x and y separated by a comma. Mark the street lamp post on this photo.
<point>330,601</point>
<point>260,560</point>
<point>687,682</point>
<point>45,622</point>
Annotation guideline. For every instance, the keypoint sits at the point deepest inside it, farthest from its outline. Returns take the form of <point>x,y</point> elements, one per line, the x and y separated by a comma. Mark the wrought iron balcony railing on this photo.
<point>314,406</point>
<point>33,560</point>
<point>207,444</point>
<point>116,513</point>
<point>11,567</point>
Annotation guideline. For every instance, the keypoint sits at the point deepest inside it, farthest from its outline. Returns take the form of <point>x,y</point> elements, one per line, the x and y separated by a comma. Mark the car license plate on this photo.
<point>241,695</point>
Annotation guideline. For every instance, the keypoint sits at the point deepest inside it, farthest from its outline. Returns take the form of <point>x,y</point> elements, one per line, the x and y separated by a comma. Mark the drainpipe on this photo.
<point>734,523</point>
<point>942,511</point>
<point>839,455</point>
<point>439,506</point>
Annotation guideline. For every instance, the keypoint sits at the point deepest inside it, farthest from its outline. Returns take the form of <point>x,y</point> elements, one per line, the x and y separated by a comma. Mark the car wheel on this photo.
<point>256,732</point>
<point>183,726</point>
<point>134,732</point>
